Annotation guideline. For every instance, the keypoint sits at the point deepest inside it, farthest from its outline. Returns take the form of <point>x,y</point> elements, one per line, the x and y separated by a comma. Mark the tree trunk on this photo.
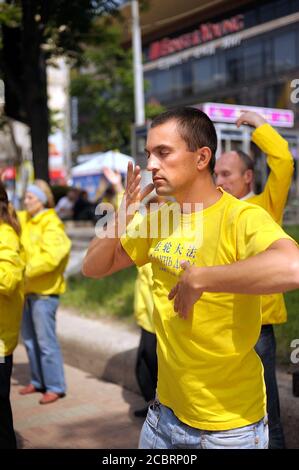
<point>39,123</point>
<point>35,87</point>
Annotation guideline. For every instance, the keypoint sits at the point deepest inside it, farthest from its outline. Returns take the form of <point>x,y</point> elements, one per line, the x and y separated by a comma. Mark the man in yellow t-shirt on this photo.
<point>235,173</point>
<point>206,254</point>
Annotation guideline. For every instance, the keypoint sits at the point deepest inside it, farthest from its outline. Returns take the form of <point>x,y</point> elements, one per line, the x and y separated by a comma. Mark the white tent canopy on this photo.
<point>111,159</point>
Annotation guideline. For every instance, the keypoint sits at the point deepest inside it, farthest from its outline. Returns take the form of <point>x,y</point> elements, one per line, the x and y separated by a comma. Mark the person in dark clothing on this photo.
<point>83,208</point>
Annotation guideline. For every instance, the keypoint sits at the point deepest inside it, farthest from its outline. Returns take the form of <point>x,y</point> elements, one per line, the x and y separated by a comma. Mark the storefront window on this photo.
<point>282,8</point>
<point>234,65</point>
<point>266,12</point>
<point>268,60</point>
<point>232,70</point>
<point>204,74</point>
<point>253,60</point>
<point>186,78</point>
<point>285,51</point>
<point>276,96</point>
<point>295,5</point>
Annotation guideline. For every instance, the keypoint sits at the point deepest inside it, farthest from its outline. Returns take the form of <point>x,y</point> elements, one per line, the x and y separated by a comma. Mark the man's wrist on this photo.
<point>259,122</point>
<point>201,279</point>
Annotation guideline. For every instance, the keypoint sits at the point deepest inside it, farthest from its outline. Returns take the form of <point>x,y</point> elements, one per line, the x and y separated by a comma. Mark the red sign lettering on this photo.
<point>206,32</point>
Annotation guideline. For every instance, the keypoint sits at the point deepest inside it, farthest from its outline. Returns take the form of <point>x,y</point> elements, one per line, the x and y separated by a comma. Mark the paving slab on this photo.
<point>94,414</point>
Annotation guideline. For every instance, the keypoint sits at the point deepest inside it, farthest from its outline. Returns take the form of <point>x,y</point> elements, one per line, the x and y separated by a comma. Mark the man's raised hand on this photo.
<point>133,194</point>
<point>251,118</point>
<point>187,291</point>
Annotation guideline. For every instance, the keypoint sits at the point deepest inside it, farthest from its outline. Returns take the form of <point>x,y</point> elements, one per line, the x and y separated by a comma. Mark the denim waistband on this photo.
<point>55,296</point>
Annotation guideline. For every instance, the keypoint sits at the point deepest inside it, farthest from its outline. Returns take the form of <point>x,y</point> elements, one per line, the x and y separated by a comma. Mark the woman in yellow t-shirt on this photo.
<point>47,250</point>
<point>11,305</point>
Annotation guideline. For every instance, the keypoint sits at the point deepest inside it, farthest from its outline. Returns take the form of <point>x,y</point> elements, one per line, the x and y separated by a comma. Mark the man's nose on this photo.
<point>218,180</point>
<point>152,163</point>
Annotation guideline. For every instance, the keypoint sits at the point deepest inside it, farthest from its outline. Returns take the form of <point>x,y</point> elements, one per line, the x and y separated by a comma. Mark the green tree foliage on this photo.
<point>104,86</point>
<point>105,89</point>
<point>32,33</point>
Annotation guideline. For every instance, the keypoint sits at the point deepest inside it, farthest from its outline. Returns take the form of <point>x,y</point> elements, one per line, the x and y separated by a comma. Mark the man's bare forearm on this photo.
<point>270,272</point>
<point>100,255</point>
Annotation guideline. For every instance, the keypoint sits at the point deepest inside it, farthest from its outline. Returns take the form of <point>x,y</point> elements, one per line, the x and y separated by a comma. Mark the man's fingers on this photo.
<point>184,264</point>
<point>129,173</point>
<point>179,305</point>
<point>184,312</point>
<point>131,187</point>
<point>241,121</point>
<point>132,173</point>
<point>181,310</point>
<point>173,292</point>
<point>176,303</point>
<point>133,180</point>
<point>147,190</point>
<point>135,183</point>
<point>136,194</point>
<point>242,118</point>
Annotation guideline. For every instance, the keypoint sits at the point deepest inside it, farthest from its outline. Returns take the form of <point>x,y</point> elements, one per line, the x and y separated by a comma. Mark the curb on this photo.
<point>105,348</point>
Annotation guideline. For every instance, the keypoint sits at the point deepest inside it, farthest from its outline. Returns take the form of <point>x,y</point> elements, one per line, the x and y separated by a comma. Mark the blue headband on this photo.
<point>39,193</point>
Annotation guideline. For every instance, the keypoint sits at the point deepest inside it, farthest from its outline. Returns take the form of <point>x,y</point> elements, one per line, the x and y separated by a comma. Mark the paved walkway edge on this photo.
<point>105,349</point>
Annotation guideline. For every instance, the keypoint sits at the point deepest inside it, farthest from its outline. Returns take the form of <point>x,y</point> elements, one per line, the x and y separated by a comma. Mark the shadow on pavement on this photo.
<point>120,369</point>
<point>20,373</point>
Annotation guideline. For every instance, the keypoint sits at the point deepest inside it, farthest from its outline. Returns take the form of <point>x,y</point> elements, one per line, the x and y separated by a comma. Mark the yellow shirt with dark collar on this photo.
<point>208,371</point>
<point>273,199</point>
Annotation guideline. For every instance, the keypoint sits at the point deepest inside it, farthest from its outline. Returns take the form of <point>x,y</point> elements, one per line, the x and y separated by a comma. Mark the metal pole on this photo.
<point>67,124</point>
<point>138,71</point>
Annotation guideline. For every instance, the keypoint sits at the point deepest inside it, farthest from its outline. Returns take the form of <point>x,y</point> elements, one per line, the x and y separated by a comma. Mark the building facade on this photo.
<point>246,55</point>
<point>234,53</point>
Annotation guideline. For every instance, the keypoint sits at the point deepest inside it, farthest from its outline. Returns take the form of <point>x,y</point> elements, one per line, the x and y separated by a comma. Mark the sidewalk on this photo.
<point>93,415</point>
<point>106,348</point>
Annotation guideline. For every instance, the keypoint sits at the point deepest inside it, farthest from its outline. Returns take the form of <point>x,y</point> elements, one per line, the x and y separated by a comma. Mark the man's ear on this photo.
<point>248,176</point>
<point>204,156</point>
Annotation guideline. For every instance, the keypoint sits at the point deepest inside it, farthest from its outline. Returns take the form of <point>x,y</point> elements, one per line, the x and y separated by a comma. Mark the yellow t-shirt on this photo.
<point>143,298</point>
<point>208,371</point>
<point>273,199</point>
<point>11,288</point>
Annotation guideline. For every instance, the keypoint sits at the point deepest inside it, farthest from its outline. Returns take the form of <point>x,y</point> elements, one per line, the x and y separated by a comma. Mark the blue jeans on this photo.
<point>266,349</point>
<point>39,336</point>
<point>163,430</point>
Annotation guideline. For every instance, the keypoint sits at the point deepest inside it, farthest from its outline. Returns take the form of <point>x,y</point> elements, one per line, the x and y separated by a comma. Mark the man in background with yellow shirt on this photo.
<point>207,282</point>
<point>234,172</point>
